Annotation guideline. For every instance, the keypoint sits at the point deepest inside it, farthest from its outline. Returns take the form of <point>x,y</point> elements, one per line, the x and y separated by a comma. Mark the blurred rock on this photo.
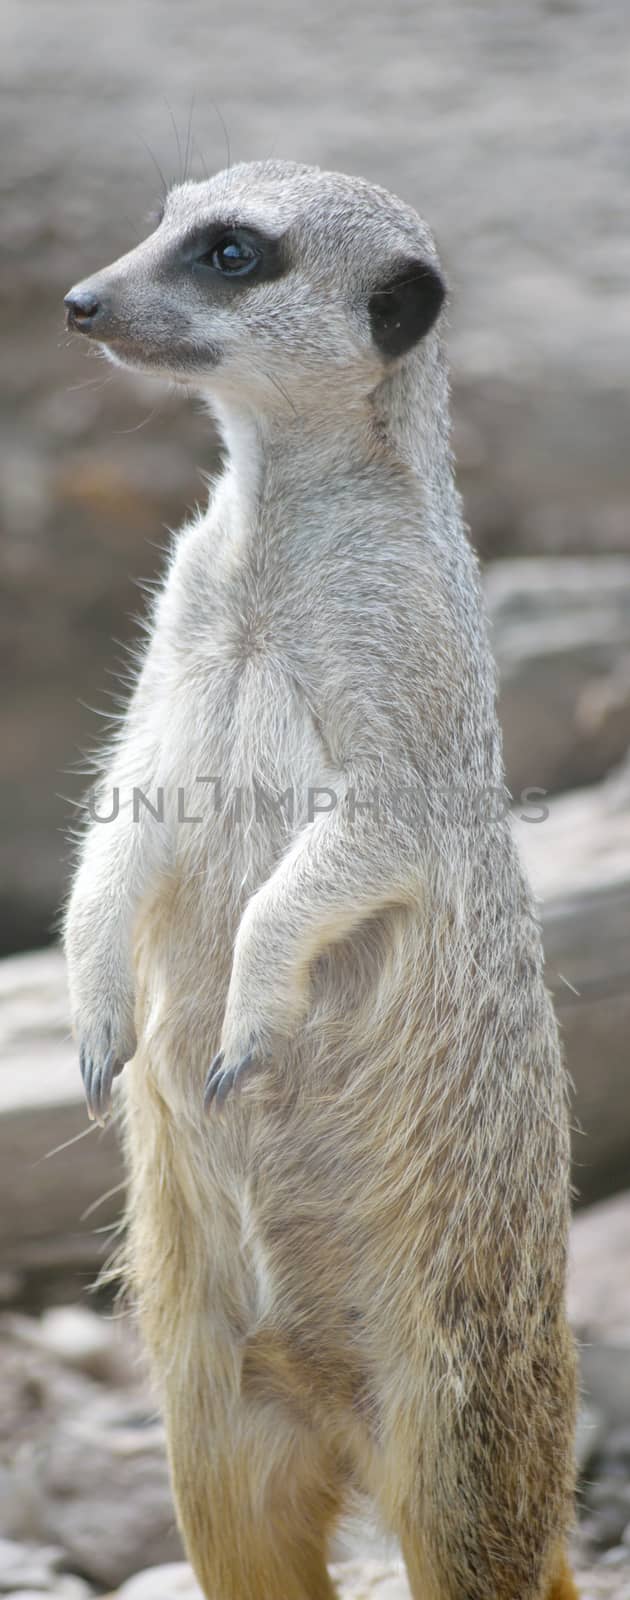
<point>599,1273</point>
<point>172,1582</point>
<point>606,1379</point>
<point>59,1175</point>
<point>30,1566</point>
<point>102,1470</point>
<point>32,1570</point>
<point>68,589</point>
<point>599,1308</point>
<point>67,1587</point>
<point>616,1558</point>
<point>11,1287</point>
<point>578,857</point>
<point>81,1464</point>
<point>602,1528</point>
<point>602,1583</point>
<point>592,1428</point>
<point>605,1488</point>
<point>80,1339</point>
<point>561,635</point>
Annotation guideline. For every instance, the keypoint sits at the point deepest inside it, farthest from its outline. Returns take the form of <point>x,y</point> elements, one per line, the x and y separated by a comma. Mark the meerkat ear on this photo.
<point>405,307</point>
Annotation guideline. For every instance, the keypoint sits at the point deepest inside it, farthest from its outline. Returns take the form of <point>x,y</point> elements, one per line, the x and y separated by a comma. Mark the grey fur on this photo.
<point>353,1276</point>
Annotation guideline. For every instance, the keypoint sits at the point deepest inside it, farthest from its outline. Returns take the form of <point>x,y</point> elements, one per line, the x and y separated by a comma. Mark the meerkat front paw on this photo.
<point>265,1002</point>
<point>229,1069</point>
<point>105,1033</point>
<point>102,1004</point>
<point>102,1056</point>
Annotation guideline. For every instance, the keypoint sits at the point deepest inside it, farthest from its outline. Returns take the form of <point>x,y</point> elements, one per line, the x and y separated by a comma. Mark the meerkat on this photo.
<point>345,1110</point>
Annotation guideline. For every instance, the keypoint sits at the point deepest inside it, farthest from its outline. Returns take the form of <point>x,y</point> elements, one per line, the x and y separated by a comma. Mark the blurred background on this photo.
<point>508,127</point>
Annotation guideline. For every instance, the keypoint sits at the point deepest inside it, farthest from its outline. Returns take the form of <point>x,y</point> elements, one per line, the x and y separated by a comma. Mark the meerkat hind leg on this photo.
<point>256,1506</point>
<point>481,1512</point>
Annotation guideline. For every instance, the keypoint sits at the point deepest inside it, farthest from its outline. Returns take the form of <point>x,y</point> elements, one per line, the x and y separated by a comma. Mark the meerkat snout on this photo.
<point>82,308</point>
<point>269,273</point>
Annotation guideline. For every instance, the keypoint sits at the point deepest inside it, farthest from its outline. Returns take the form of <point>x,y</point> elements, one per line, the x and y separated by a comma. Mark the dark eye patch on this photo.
<point>230,254</point>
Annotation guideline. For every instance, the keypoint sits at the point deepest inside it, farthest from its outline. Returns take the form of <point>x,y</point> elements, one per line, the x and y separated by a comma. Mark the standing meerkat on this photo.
<point>306,931</point>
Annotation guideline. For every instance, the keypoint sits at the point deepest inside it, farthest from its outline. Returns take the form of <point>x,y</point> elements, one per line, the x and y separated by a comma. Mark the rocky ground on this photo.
<point>85,1507</point>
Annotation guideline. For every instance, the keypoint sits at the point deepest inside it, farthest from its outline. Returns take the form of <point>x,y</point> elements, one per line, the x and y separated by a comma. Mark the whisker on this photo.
<point>119,432</point>
<point>178,141</point>
<point>156,164</point>
<point>90,383</point>
<point>277,385</point>
<point>91,1128</point>
<point>109,1194</point>
<point>568,985</point>
<point>202,159</point>
<point>221,119</point>
<point>189,146</point>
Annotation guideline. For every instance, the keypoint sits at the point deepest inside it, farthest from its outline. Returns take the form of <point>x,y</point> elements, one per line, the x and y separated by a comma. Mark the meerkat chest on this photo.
<point>246,716</point>
<point>243,751</point>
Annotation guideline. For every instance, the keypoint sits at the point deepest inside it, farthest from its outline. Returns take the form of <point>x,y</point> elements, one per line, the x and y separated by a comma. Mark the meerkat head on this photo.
<point>269,276</point>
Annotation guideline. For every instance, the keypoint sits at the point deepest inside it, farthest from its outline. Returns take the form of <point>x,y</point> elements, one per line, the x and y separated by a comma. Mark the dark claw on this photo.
<point>103,1088</point>
<point>225,1083</point>
<point>97,1093</point>
<point>221,1080</point>
<point>212,1080</point>
<point>97,1082</point>
<point>87,1074</point>
<point>86,1067</point>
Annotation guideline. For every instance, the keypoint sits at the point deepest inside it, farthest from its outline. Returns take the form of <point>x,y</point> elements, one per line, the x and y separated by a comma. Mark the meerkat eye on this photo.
<point>233,256</point>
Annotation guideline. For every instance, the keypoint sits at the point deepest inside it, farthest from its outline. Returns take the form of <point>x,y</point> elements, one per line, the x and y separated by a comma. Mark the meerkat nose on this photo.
<point>82,308</point>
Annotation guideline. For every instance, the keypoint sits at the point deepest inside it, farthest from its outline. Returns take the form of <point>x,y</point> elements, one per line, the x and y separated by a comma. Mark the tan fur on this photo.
<point>562,1585</point>
<point>351,1278</point>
